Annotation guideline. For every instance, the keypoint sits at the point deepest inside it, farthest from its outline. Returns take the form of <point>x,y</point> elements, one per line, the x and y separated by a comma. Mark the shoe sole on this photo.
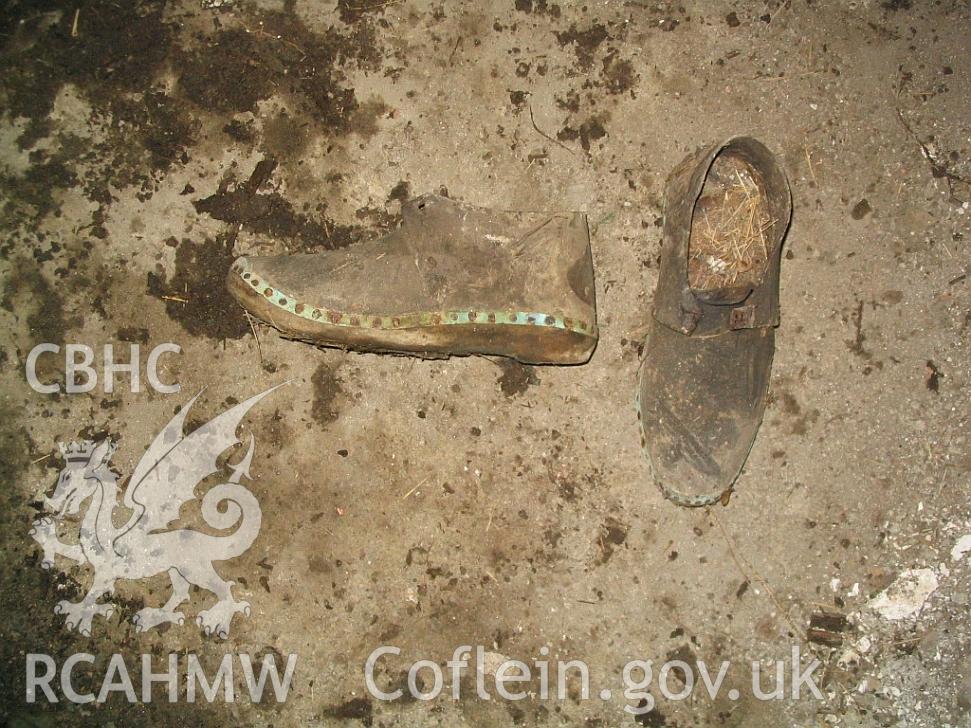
<point>530,337</point>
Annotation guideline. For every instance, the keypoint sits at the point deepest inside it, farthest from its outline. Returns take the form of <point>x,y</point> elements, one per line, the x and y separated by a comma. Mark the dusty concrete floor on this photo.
<point>429,504</point>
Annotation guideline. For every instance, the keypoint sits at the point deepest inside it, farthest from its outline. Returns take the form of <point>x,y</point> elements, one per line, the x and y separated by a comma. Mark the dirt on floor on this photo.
<point>430,504</point>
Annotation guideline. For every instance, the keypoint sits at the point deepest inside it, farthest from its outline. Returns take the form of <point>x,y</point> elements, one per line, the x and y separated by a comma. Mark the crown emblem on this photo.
<point>76,452</point>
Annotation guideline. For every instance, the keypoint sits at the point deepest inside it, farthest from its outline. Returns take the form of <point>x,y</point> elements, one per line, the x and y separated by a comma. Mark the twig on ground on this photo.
<point>809,161</point>
<point>938,168</point>
<point>745,572</point>
<point>451,56</point>
<point>543,134</point>
<point>414,489</point>
<point>259,346</point>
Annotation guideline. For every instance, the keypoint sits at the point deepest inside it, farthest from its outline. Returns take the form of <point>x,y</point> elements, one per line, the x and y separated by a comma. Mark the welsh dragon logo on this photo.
<point>164,480</point>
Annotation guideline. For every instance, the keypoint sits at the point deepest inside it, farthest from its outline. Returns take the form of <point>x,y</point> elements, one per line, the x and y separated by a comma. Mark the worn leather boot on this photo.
<point>452,279</point>
<point>708,354</point>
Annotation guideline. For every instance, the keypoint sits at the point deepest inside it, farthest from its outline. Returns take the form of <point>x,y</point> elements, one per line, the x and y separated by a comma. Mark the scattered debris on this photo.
<point>933,377</point>
<point>906,596</point>
<point>961,548</point>
<point>492,661</point>
<point>516,378</point>
<point>852,655</point>
<point>826,628</point>
<point>938,167</point>
<point>861,209</point>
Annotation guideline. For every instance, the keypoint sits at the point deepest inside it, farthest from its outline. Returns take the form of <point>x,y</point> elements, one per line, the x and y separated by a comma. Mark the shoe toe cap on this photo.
<point>701,403</point>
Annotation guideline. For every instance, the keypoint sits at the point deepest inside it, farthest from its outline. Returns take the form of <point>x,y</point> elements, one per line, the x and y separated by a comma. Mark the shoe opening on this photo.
<point>729,245</point>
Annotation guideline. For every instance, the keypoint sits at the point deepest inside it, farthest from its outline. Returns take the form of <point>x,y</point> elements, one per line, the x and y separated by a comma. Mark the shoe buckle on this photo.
<point>742,317</point>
